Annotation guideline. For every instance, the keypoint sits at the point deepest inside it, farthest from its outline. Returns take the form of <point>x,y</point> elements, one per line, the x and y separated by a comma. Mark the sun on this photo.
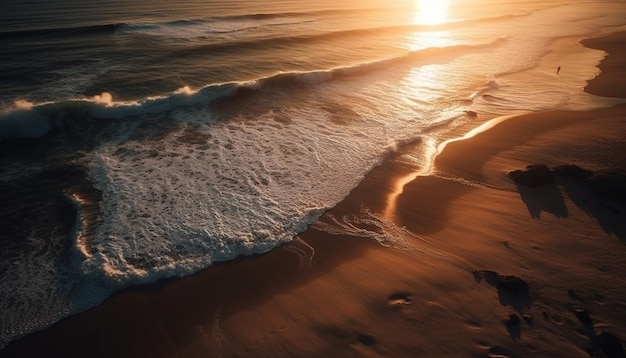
<point>431,12</point>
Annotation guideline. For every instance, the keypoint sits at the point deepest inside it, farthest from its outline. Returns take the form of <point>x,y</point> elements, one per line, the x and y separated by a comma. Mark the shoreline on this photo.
<point>343,294</point>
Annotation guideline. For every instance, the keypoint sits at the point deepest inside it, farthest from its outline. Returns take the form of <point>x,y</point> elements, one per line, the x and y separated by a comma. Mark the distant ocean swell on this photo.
<point>217,24</point>
<point>61,32</point>
<point>76,60</point>
<point>29,120</point>
<point>206,29</point>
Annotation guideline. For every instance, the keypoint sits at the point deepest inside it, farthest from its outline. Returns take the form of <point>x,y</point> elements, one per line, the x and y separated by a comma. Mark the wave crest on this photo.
<point>28,120</point>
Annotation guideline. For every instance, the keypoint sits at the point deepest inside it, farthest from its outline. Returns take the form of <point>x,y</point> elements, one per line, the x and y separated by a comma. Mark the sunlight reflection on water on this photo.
<point>430,12</point>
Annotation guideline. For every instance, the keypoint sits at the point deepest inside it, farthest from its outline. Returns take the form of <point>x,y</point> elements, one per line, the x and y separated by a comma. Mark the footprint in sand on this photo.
<point>472,324</point>
<point>556,318</point>
<point>574,295</point>
<point>599,299</point>
<point>498,352</point>
<point>366,339</point>
<point>399,300</point>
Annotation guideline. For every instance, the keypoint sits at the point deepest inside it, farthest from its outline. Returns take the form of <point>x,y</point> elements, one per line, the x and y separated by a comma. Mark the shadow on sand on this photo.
<point>602,344</point>
<point>512,292</point>
<point>601,195</point>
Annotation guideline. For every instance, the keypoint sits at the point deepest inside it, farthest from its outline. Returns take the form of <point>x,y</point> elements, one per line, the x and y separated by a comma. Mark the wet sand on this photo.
<point>468,263</point>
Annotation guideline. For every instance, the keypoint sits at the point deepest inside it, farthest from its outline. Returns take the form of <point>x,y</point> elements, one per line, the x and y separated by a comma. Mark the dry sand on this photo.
<point>471,264</point>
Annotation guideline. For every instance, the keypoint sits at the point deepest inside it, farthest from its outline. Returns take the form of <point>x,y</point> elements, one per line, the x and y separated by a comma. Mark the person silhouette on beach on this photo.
<point>558,69</point>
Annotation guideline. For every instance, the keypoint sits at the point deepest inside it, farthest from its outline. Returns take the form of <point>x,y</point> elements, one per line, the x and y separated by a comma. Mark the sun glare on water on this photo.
<point>430,12</point>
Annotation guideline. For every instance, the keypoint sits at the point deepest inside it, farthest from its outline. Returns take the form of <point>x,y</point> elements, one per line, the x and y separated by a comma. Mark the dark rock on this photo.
<point>610,345</point>
<point>489,276</point>
<point>512,291</point>
<point>534,175</point>
<point>511,284</point>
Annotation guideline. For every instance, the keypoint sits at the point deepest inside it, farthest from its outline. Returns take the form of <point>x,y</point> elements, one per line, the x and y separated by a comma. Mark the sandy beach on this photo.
<point>465,263</point>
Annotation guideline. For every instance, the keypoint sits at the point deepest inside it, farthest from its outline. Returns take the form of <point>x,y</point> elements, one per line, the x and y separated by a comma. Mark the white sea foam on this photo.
<point>177,204</point>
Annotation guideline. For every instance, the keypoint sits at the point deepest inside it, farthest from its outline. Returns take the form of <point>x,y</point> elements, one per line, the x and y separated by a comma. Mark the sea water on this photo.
<point>146,140</point>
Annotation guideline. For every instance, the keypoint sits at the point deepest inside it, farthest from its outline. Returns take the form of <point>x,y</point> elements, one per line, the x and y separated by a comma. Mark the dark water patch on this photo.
<point>246,103</point>
<point>40,212</point>
<point>190,135</point>
<point>153,129</point>
<point>340,113</point>
<point>63,32</point>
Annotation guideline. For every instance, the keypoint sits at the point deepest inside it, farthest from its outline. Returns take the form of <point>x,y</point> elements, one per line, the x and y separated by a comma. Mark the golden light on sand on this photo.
<point>430,12</point>
<point>431,151</point>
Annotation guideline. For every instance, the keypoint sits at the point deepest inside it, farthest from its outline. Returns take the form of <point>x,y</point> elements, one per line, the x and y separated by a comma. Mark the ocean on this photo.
<point>148,140</point>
